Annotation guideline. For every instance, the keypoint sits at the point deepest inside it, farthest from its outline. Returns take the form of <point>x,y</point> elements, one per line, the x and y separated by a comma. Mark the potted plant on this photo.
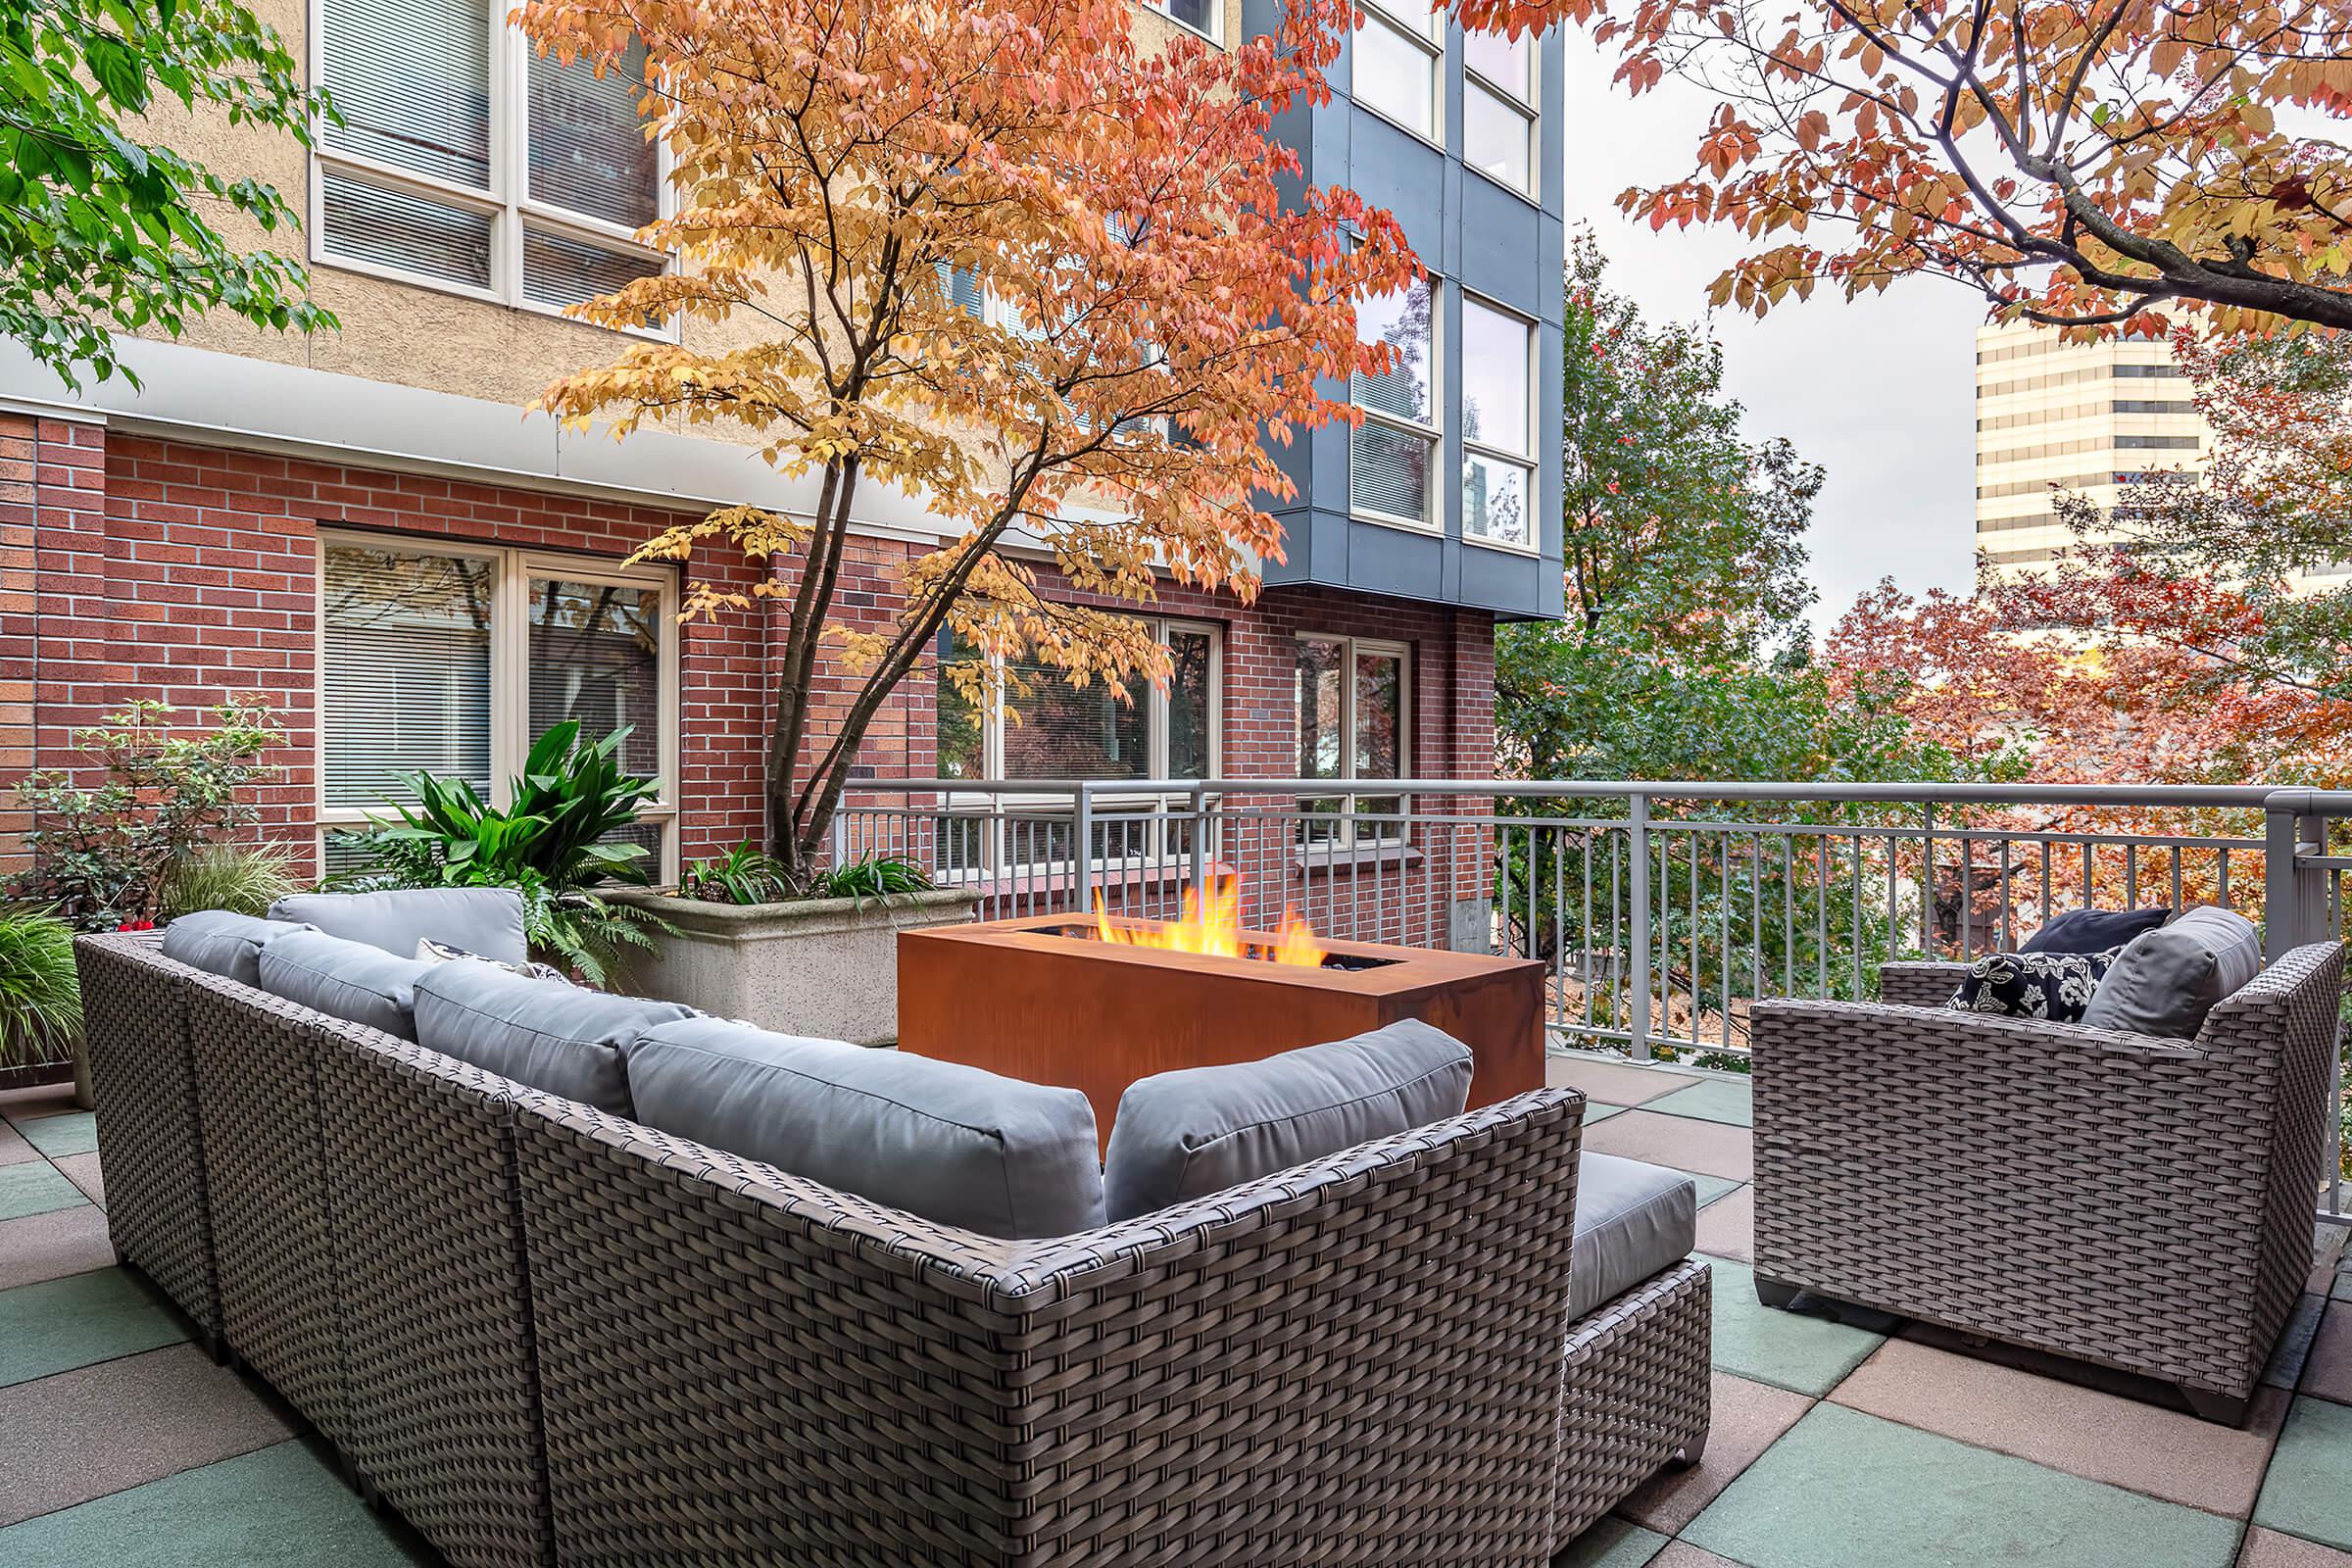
<point>40,998</point>
<point>817,959</point>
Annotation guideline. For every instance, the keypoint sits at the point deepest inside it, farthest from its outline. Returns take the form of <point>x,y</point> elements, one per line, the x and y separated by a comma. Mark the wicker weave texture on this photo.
<point>1357,1363</point>
<point>135,1021</point>
<point>442,1372</point>
<point>258,1092</point>
<point>1918,985</point>
<point>2139,1202</point>
<point>1635,1391</point>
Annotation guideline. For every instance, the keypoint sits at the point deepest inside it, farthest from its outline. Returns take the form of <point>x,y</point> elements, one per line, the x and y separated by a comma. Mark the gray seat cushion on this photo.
<point>950,1143</point>
<point>344,979</point>
<point>220,942</point>
<point>2168,979</point>
<point>550,1034</point>
<point>1632,1220</point>
<point>483,921</point>
<point>1185,1134</point>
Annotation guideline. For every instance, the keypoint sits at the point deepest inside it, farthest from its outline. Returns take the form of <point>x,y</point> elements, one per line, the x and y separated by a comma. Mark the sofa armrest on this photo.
<point>1918,983</point>
<point>1873,1029</point>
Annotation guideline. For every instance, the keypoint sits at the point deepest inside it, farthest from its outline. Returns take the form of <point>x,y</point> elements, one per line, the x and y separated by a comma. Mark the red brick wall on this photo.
<point>135,566</point>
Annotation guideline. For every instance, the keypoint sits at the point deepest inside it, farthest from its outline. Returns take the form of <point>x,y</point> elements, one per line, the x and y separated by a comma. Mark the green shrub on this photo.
<point>40,1000</point>
<point>745,874</point>
<point>243,878</point>
<point>875,876</point>
<point>102,854</point>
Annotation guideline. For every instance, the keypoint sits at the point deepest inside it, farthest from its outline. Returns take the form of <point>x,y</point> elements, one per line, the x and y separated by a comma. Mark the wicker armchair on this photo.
<point>2138,1202</point>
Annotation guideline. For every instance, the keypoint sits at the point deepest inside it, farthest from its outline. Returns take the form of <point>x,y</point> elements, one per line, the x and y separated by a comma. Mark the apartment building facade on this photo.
<point>366,526</point>
<point>2101,419</point>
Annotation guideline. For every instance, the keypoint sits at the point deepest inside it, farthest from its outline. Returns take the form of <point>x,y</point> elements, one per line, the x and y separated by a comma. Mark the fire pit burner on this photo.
<point>1261,951</point>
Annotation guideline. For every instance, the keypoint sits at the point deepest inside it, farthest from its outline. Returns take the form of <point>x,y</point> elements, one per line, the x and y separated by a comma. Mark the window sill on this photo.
<point>1500,547</point>
<point>1425,530</point>
<point>1363,857</point>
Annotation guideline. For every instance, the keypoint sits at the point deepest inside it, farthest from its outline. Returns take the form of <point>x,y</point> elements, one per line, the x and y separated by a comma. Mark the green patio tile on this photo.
<point>75,1132</point>
<point>65,1323</point>
<point>1724,1100</point>
<point>2341,1290</point>
<point>1845,1489</point>
<point>1711,1188</point>
<point>35,1189</point>
<point>1611,1543</point>
<point>1795,1351</point>
<point>1600,1111</point>
<point>2308,1490</point>
<point>279,1507</point>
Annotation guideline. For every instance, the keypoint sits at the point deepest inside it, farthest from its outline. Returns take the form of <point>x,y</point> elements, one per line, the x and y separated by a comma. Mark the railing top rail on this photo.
<point>2243,797</point>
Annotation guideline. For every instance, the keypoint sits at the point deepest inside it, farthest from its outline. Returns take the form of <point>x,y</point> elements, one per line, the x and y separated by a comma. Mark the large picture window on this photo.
<point>1396,65</point>
<point>1042,727</point>
<point>1498,109</point>
<point>467,159</point>
<point>1392,453</point>
<point>1354,715</point>
<point>1499,475</point>
<point>454,658</point>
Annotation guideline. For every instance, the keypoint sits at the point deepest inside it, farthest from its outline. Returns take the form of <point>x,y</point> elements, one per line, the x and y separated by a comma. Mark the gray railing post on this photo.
<point>1082,830</point>
<point>1199,843</point>
<point>1637,831</point>
<point>839,830</point>
<point>2294,901</point>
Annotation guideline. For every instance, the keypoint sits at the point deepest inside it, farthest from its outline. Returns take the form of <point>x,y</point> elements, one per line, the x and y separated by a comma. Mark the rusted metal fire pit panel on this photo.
<point>1018,998</point>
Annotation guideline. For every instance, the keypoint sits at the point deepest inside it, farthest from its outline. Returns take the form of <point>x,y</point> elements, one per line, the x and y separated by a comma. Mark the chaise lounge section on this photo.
<point>550,1333</point>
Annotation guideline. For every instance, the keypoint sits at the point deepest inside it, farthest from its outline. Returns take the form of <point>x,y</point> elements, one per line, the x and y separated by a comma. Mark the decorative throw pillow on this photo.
<point>2094,930</point>
<point>430,951</point>
<point>2056,986</point>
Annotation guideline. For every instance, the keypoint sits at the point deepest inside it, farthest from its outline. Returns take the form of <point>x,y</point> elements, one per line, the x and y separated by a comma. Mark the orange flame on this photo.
<point>1216,930</point>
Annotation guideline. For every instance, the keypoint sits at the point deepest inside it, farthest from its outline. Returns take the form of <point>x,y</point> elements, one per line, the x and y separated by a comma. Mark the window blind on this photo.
<point>1401,321</point>
<point>412,83</point>
<point>366,223</point>
<point>561,272</point>
<point>596,657</point>
<point>1391,471</point>
<point>406,646</point>
<point>588,151</point>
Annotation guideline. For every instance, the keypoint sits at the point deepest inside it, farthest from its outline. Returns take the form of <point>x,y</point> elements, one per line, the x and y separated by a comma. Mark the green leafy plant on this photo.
<point>103,854</point>
<point>745,874</point>
<point>243,878</point>
<point>874,876</point>
<point>40,998</point>
<point>553,843</point>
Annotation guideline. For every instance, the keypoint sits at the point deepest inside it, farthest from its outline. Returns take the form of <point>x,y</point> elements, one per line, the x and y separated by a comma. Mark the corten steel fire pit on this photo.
<point>1044,998</point>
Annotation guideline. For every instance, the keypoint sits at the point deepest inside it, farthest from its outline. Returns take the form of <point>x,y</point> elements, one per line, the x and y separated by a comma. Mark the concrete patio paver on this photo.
<point>1683,1554</point>
<point>2284,1368</point>
<point>1682,1141</point>
<point>52,1246</point>
<point>1726,1099</point>
<point>1845,1490</point>
<point>69,1131</point>
<point>2308,1492</point>
<point>14,1150</point>
<point>35,1189</point>
<point>1612,1544</point>
<point>1617,1083</point>
<point>161,1412</point>
<point>61,1324</point>
<point>1712,1189</point>
<point>1800,1351</point>
<point>2268,1548</point>
<point>82,1171</point>
<point>1728,1229</point>
<point>2099,1437</point>
<point>36,1100</point>
<point>1748,1418</point>
<point>1598,1110</point>
<point>282,1507</point>
<point>2328,1369</point>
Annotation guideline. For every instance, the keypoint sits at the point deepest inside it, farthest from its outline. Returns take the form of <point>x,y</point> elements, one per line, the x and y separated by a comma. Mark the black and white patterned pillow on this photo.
<point>430,951</point>
<point>2056,986</point>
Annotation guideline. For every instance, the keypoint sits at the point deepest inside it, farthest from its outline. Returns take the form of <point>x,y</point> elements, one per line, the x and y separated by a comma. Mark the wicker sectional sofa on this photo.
<point>2118,1199</point>
<point>546,1333</point>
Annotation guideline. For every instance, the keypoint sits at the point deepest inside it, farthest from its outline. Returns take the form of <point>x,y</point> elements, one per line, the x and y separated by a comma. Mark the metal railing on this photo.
<point>1662,912</point>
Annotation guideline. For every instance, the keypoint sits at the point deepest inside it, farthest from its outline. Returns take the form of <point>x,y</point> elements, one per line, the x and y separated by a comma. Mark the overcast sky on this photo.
<point>1880,393</point>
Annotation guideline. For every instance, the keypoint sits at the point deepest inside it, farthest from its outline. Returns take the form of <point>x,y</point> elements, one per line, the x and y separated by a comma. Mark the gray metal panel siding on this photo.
<point>1475,235</point>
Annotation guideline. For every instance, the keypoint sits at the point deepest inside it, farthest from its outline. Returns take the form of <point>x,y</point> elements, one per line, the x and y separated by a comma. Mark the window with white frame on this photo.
<point>454,659</point>
<point>1201,16</point>
<point>1031,722</point>
<point>1498,107</point>
<point>467,159</point>
<point>1392,453</point>
<point>1498,473</point>
<point>1355,716</point>
<point>1396,65</point>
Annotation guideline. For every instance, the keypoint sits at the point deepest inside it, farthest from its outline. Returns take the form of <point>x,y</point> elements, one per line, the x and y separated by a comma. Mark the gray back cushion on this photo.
<point>549,1034</point>
<point>344,980</point>
<point>950,1142</point>
<point>1187,1133</point>
<point>2167,980</point>
<point>222,943</point>
<point>483,921</point>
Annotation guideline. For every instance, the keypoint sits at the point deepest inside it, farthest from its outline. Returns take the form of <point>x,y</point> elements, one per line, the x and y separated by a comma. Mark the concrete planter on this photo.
<point>827,967</point>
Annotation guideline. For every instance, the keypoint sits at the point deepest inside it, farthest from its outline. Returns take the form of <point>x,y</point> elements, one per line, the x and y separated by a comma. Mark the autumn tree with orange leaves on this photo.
<point>2081,163</point>
<point>1002,255</point>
